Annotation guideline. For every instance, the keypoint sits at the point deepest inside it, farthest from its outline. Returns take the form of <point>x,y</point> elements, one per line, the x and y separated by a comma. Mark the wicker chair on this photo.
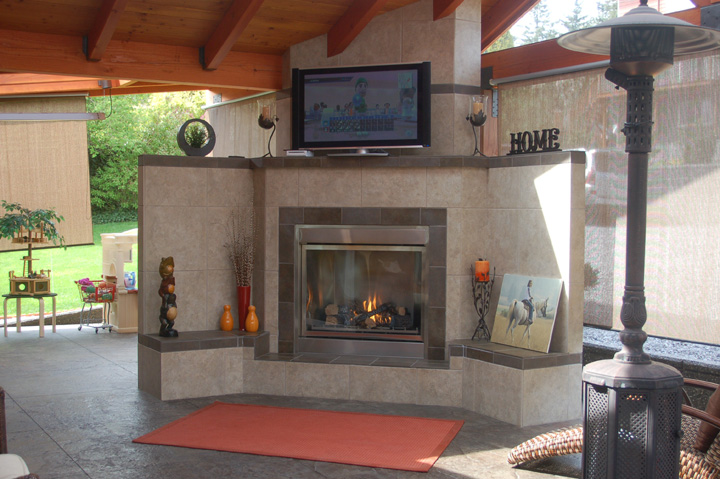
<point>12,459</point>
<point>694,463</point>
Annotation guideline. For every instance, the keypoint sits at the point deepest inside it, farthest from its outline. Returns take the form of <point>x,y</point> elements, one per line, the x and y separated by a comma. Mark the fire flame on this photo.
<point>372,304</point>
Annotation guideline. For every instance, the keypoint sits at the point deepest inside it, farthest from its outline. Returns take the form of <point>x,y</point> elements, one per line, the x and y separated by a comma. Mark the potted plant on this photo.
<point>23,225</point>
<point>196,137</point>
<point>240,230</point>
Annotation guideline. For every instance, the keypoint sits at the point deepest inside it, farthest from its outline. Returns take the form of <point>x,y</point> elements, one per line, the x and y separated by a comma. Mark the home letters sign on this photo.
<point>532,141</point>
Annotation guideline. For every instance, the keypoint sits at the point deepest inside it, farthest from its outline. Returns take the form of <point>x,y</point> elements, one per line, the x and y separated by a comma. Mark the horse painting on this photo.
<point>541,307</point>
<point>518,316</point>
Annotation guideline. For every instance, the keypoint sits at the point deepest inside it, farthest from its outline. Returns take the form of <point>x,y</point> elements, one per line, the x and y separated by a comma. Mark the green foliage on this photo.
<point>576,20</point>
<point>592,276</point>
<point>506,40</point>
<point>606,9</point>
<point>136,125</point>
<point>114,217</point>
<point>114,187</point>
<point>17,218</point>
<point>540,29</point>
<point>196,135</point>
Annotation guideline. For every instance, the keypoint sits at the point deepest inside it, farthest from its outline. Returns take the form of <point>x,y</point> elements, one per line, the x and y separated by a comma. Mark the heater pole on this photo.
<point>638,133</point>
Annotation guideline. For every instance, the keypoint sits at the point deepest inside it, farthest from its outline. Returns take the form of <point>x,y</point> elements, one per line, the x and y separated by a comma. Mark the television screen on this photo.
<point>362,107</point>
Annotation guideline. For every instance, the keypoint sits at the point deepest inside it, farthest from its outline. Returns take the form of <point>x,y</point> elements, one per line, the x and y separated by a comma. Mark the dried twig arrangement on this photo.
<point>241,234</point>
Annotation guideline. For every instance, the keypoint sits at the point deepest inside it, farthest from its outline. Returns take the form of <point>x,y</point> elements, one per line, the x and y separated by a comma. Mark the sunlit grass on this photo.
<point>67,265</point>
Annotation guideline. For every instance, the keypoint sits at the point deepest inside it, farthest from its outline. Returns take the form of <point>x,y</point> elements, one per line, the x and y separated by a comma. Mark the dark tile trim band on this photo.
<point>447,88</point>
<point>511,357</point>
<point>392,161</point>
<point>203,340</point>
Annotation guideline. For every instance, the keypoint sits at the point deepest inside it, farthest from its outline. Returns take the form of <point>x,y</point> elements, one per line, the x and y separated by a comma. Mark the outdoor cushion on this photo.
<point>12,466</point>
<point>707,432</point>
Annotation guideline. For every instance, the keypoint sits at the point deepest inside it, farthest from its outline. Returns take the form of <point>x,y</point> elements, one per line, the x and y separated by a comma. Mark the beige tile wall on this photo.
<point>524,220</point>
<point>183,211</point>
<point>527,397</point>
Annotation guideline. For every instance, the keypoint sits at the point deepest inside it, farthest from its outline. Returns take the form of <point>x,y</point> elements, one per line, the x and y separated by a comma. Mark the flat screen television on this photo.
<point>363,108</point>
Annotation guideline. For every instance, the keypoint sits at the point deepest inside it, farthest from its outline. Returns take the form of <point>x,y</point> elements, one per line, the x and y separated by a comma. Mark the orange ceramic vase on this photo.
<point>226,320</point>
<point>251,322</point>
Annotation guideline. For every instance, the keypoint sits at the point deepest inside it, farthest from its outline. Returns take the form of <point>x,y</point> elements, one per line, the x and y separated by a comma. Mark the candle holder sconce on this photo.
<point>477,117</point>
<point>267,119</point>
<point>481,294</point>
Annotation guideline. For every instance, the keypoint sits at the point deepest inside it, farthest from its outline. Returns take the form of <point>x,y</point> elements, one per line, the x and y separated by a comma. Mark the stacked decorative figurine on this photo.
<point>168,310</point>
<point>482,285</point>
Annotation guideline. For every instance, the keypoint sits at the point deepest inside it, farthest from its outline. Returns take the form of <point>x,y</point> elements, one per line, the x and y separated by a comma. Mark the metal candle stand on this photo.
<point>481,293</point>
<point>476,121</point>
<point>266,124</point>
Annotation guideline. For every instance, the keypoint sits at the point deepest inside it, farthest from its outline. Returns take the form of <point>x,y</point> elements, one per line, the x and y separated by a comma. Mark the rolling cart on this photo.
<point>96,292</point>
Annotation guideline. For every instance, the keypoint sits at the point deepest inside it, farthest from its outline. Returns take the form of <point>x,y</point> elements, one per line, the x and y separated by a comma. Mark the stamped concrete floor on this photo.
<point>73,408</point>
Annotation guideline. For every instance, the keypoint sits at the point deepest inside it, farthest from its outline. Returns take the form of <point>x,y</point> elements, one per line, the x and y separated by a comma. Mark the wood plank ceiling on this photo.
<point>229,46</point>
<point>233,46</point>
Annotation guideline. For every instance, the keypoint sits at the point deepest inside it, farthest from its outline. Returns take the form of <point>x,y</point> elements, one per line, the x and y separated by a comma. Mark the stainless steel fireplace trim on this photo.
<point>349,347</point>
<point>300,313</point>
<point>387,347</point>
<point>370,235</point>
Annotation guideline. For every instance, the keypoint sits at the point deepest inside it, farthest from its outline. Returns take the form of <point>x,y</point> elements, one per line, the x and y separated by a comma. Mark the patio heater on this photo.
<point>631,405</point>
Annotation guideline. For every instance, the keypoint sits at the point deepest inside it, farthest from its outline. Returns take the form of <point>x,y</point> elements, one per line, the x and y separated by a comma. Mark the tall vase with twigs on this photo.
<point>241,236</point>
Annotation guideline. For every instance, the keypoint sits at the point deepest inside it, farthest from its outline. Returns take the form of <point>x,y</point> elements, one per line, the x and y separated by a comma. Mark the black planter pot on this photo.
<point>190,150</point>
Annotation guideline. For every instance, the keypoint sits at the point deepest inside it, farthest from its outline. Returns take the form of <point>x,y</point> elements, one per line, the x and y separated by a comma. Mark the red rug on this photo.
<point>374,440</point>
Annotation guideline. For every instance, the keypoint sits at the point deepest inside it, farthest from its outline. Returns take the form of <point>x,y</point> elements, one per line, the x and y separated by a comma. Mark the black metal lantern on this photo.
<point>632,405</point>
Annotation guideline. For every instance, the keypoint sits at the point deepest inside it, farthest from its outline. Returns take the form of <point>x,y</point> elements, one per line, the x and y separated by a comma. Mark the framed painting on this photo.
<point>526,312</point>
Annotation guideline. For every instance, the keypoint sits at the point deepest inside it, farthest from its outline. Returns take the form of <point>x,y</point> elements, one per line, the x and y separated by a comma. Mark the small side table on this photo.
<point>41,299</point>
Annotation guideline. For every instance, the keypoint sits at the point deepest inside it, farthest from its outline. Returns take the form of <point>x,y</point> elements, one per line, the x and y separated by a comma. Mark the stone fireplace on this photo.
<point>360,281</point>
<point>461,208</point>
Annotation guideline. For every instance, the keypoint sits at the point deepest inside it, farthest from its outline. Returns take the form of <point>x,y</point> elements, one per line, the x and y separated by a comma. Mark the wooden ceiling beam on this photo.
<point>62,54</point>
<point>234,22</point>
<point>533,58</point>
<point>103,28</point>
<point>501,17</point>
<point>443,8</point>
<point>548,55</point>
<point>360,13</point>
<point>78,86</point>
<point>24,78</point>
<point>146,88</point>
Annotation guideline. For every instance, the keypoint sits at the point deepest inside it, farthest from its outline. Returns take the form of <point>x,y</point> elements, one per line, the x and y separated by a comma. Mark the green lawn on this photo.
<point>67,266</point>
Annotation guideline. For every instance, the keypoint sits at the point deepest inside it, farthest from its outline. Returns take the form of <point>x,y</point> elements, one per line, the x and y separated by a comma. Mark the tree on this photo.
<point>540,29</point>
<point>136,125</point>
<point>505,41</point>
<point>576,20</point>
<point>606,9</point>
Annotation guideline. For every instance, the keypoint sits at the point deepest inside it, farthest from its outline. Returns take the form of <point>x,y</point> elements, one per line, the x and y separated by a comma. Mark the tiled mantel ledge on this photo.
<point>408,161</point>
<point>483,351</point>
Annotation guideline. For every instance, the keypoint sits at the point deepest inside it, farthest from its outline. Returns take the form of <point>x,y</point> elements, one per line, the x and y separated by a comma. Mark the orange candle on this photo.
<point>482,270</point>
<point>266,111</point>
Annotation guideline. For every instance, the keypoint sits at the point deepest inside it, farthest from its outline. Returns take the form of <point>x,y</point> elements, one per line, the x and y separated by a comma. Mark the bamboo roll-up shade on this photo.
<point>45,165</point>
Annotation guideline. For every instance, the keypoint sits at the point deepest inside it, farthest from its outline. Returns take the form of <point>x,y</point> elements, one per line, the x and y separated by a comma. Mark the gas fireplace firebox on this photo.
<point>362,290</point>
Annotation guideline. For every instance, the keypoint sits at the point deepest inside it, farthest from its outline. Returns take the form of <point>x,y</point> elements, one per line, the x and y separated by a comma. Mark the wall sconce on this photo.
<point>267,119</point>
<point>477,116</point>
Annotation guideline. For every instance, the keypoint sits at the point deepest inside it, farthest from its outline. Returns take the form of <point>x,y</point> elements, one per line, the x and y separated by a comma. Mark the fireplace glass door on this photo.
<point>362,291</point>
